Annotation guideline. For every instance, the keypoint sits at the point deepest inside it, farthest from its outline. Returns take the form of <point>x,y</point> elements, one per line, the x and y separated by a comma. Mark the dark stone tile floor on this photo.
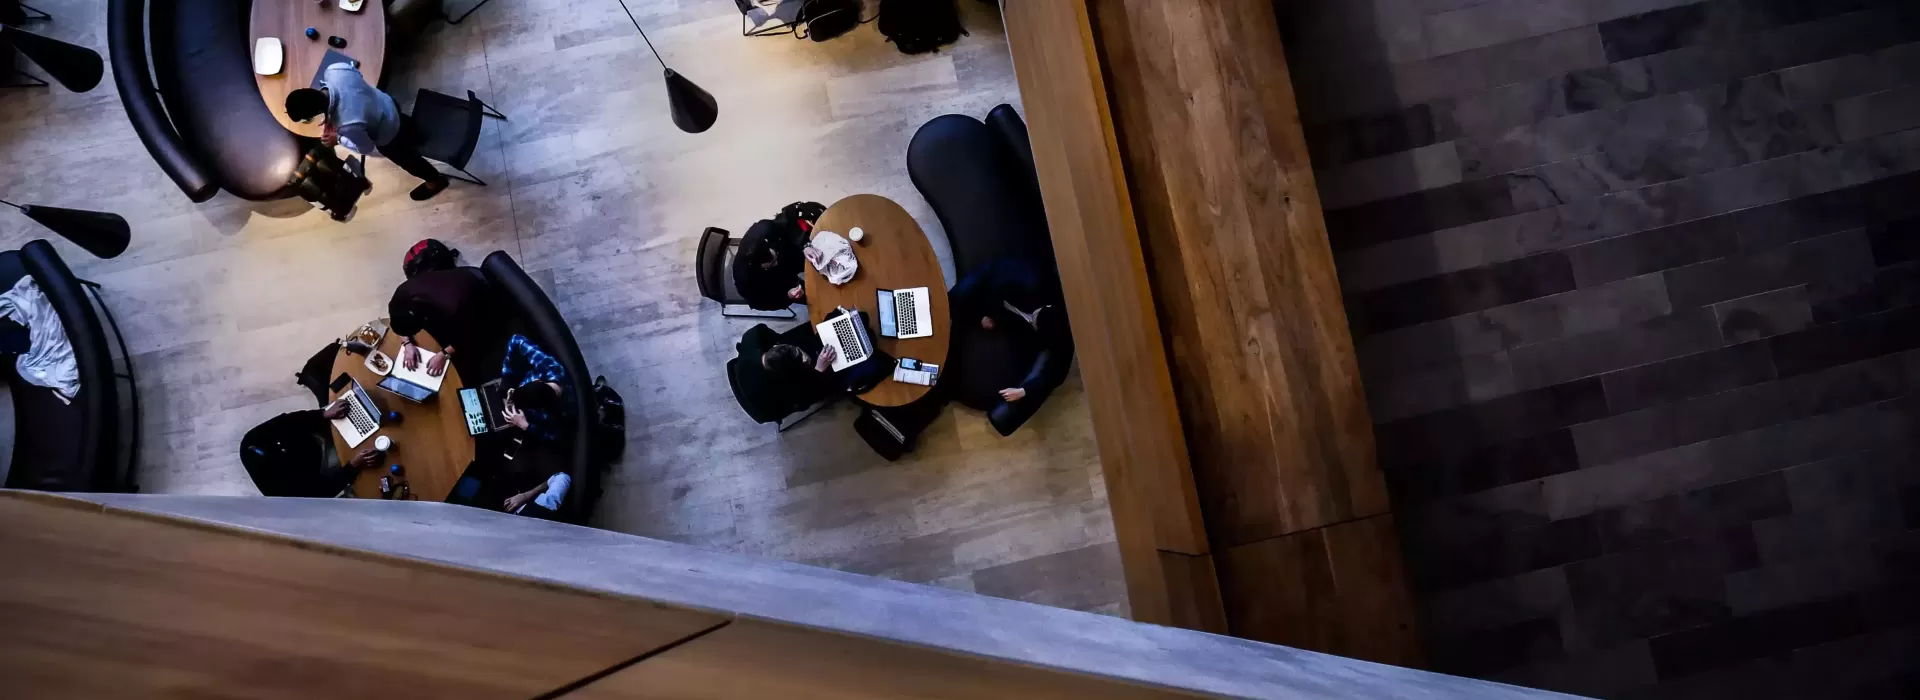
<point>1635,285</point>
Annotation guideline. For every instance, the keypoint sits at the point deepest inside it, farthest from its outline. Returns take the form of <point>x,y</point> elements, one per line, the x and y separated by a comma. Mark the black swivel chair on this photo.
<point>713,272</point>
<point>450,128</point>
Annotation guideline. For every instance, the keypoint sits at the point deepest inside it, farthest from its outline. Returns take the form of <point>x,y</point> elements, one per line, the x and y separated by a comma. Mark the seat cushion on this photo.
<point>972,179</point>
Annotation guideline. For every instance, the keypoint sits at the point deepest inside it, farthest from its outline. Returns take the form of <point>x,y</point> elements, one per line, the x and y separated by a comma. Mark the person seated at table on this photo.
<point>454,304</point>
<point>767,271</point>
<point>1013,297</point>
<point>536,399</point>
<point>800,370</point>
<point>541,501</point>
<point>292,455</point>
<point>366,121</point>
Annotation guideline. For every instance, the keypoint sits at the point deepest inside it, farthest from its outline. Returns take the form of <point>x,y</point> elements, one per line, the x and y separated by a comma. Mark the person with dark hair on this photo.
<point>455,304</point>
<point>1014,297</point>
<point>536,384</point>
<point>767,270</point>
<point>366,121</point>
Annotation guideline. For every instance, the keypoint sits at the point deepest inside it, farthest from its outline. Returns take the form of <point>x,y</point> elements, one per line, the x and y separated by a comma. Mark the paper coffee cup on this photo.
<point>383,443</point>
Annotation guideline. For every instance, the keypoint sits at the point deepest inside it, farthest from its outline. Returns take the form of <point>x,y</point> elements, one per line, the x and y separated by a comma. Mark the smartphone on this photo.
<point>909,363</point>
<point>341,382</point>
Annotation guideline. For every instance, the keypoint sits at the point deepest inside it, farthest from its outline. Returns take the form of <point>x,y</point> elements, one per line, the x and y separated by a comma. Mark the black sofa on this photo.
<point>211,131</point>
<point>534,316</point>
<point>76,446</point>
<point>980,179</point>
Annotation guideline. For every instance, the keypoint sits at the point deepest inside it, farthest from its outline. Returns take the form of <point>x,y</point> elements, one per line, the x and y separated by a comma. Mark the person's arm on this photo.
<point>518,362</point>
<point>519,500</point>
<point>356,138</point>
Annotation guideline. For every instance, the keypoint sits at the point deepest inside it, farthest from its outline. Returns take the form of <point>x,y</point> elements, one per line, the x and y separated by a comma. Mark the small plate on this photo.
<point>268,56</point>
<point>352,5</point>
<point>378,363</point>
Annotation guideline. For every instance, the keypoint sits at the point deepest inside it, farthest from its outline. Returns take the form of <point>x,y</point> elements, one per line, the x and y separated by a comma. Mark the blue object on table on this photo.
<point>395,469</point>
<point>395,417</point>
<point>313,34</point>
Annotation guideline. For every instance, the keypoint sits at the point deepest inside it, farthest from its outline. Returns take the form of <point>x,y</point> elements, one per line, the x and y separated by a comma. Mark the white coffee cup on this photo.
<point>383,443</point>
<point>856,234</point>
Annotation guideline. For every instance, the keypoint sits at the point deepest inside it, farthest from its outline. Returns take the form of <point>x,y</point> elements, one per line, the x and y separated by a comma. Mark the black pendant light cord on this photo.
<point>11,204</point>
<point>643,34</point>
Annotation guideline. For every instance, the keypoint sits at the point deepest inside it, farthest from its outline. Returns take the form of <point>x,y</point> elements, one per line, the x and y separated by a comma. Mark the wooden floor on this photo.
<point>602,200</point>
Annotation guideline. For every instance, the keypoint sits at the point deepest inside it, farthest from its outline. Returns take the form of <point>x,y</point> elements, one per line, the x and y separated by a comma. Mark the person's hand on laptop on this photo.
<point>1014,394</point>
<point>409,354</point>
<point>336,410</point>
<point>824,362</point>
<point>438,365</point>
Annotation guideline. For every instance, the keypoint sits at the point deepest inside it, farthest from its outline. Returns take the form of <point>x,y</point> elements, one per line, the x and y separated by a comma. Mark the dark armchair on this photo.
<point>532,314</point>
<point>979,177</point>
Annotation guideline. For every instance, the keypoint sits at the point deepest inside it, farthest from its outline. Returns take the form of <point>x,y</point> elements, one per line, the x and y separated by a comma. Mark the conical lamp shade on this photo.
<point>693,108</point>
<point>103,234</point>
<point>78,68</point>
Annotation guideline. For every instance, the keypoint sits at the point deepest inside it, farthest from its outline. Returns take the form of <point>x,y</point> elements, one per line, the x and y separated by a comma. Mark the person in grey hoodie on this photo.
<point>365,120</point>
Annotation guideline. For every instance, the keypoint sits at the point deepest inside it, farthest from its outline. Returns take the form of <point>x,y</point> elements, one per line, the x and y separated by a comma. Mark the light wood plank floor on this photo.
<point>602,199</point>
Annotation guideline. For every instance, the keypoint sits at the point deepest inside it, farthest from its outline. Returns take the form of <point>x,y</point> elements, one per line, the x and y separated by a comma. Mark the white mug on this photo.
<point>383,443</point>
<point>856,234</point>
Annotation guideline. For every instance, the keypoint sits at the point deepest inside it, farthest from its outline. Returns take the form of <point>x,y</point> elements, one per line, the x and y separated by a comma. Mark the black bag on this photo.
<point>920,26</point>
<point>326,181</point>
<point>828,19</point>
<point>609,423</point>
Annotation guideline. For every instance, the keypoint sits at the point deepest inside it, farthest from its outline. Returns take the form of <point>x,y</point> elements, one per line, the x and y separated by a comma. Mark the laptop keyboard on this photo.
<point>906,317</point>
<point>849,341</point>
<point>357,414</point>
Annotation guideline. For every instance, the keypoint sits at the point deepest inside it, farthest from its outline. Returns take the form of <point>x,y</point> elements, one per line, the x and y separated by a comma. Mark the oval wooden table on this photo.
<point>895,254</point>
<point>287,20</point>
<point>430,443</point>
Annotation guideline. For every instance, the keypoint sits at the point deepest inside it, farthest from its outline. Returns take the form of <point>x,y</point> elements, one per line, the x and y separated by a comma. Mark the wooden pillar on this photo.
<point>1208,273</point>
<point>1264,369</point>
<point>1163,545</point>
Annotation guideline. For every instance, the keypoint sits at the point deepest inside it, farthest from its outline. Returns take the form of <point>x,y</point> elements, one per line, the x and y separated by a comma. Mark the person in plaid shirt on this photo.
<point>536,384</point>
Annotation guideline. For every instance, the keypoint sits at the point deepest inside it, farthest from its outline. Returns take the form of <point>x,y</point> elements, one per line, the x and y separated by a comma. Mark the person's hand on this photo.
<point>336,410</point>
<point>1014,394</point>
<point>797,292</point>
<point>368,458</point>
<point>825,360</point>
<point>409,354</point>
<point>437,366</point>
<point>516,501</point>
<point>986,322</point>
<point>513,415</point>
<point>329,136</point>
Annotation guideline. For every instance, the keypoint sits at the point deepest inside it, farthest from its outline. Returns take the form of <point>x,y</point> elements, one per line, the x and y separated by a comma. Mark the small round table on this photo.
<point>287,20</point>
<point>895,254</point>
<point>430,443</point>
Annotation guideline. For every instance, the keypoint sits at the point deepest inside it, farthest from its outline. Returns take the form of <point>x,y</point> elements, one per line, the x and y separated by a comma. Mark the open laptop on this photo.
<point>846,333</point>
<point>362,419</point>
<point>905,313</point>
<point>483,407</point>
<point>413,384</point>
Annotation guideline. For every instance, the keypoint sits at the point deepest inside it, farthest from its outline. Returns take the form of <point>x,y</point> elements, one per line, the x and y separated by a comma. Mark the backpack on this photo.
<point>828,19</point>
<point>609,423</point>
<point>920,26</point>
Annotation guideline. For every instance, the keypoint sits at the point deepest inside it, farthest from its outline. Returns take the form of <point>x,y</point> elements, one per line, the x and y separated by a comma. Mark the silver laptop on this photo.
<point>362,419</point>
<point>847,335</point>
<point>905,313</point>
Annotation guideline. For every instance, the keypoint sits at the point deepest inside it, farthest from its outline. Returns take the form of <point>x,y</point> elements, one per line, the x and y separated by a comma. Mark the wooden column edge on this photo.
<point>1123,361</point>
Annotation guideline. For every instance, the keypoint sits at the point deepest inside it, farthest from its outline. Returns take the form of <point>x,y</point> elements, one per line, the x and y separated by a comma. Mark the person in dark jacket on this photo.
<point>800,369</point>
<point>454,304</point>
<point>1014,297</point>
<point>537,398</point>
<point>767,271</point>
<point>291,455</point>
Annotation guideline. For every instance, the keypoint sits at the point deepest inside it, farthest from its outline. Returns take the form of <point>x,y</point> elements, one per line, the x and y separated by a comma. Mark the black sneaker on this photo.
<point>427,190</point>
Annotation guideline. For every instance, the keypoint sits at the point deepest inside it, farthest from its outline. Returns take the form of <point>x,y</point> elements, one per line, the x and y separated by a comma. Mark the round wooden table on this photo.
<point>287,20</point>
<point>430,443</point>
<point>895,254</point>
